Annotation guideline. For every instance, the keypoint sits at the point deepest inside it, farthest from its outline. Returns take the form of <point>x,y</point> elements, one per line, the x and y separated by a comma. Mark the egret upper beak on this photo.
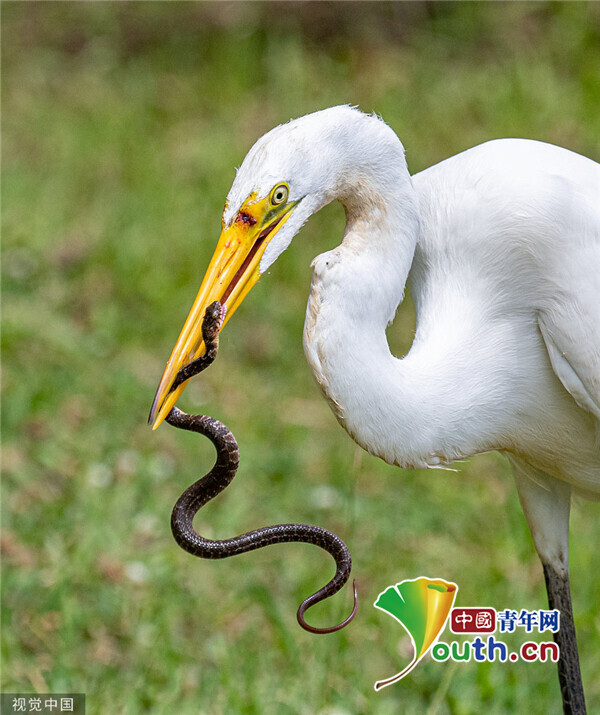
<point>233,270</point>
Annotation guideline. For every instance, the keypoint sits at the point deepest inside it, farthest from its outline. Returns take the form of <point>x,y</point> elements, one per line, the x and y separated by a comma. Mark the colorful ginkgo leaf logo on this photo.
<point>422,605</point>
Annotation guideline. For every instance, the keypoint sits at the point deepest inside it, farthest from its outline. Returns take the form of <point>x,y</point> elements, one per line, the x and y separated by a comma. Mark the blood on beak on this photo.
<point>232,271</point>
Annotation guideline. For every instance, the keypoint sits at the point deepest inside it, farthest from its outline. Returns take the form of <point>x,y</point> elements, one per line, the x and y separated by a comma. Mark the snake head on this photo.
<point>211,324</point>
<point>212,321</point>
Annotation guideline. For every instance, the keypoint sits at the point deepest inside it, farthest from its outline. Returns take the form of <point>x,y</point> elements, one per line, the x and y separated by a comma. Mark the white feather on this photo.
<point>501,249</point>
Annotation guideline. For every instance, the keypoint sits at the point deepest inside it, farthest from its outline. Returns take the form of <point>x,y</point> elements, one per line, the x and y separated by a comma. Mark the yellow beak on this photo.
<point>233,270</point>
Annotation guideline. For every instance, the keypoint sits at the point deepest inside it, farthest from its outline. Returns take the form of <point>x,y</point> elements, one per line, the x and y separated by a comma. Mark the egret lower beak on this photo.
<point>233,270</point>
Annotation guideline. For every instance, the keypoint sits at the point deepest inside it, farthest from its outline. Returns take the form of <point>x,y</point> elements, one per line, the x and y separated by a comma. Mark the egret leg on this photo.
<point>546,503</point>
<point>569,674</point>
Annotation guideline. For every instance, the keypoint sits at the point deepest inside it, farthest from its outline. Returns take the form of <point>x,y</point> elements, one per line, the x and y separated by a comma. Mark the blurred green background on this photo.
<point>122,125</point>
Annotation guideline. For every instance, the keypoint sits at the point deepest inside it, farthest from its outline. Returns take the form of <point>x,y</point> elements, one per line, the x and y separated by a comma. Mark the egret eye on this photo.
<point>279,194</point>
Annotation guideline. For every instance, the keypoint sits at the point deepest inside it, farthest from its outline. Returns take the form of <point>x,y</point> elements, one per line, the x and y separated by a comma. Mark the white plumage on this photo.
<point>500,248</point>
<point>507,349</point>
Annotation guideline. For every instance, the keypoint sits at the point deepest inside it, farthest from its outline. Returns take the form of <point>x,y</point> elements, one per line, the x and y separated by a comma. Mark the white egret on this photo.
<point>500,246</point>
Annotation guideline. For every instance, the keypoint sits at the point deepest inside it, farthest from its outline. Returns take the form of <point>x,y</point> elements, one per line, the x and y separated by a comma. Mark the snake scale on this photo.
<point>221,475</point>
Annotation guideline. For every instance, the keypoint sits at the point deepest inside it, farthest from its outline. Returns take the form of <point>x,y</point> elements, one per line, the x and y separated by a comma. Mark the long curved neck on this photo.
<point>393,408</point>
<point>356,289</point>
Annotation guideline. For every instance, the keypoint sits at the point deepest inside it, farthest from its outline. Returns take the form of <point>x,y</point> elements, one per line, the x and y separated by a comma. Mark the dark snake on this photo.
<point>220,476</point>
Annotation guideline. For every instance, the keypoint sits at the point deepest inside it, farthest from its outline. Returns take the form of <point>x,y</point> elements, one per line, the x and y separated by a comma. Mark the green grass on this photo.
<point>122,127</point>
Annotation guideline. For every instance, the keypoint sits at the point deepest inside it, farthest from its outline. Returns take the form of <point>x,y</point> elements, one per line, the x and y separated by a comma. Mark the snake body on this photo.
<point>221,475</point>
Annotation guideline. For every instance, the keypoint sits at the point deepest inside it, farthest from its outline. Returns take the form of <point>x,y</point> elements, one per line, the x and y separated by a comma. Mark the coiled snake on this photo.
<point>220,477</point>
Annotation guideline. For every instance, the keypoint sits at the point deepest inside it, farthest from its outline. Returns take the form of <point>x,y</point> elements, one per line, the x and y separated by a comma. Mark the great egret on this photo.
<point>501,249</point>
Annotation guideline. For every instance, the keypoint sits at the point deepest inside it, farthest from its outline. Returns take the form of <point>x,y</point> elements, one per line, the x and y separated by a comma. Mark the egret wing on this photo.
<point>571,332</point>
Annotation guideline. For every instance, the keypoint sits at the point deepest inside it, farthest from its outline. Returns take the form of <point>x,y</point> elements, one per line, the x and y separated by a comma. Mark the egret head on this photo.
<point>291,172</point>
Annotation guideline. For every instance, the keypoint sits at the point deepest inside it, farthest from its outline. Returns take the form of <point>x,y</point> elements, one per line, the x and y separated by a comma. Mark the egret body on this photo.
<point>500,248</point>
